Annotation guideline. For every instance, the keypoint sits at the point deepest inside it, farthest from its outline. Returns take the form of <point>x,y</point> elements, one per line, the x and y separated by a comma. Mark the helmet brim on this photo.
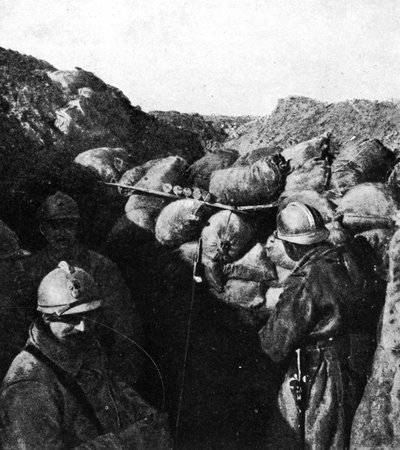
<point>313,237</point>
<point>84,307</point>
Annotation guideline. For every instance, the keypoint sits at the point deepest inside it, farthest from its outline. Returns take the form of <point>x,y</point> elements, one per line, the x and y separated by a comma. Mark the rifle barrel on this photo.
<point>151,192</point>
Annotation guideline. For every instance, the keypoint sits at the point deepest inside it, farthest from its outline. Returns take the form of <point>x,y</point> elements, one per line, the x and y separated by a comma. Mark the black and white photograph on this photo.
<point>199,225</point>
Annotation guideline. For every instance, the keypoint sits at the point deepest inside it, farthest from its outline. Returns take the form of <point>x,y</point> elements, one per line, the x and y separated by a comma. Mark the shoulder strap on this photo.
<point>70,384</point>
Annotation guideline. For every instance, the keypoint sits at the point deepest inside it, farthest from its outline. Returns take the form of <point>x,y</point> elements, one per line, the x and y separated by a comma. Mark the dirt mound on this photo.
<point>49,116</point>
<point>209,133</point>
<point>296,119</point>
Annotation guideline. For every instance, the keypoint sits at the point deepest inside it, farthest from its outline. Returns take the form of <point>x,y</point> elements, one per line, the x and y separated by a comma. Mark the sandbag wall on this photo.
<point>156,243</point>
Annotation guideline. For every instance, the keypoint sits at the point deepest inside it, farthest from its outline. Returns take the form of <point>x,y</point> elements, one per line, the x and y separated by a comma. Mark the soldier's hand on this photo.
<point>149,433</point>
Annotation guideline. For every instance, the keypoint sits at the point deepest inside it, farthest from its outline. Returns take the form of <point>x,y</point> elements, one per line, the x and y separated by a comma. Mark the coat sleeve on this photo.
<point>290,321</point>
<point>30,419</point>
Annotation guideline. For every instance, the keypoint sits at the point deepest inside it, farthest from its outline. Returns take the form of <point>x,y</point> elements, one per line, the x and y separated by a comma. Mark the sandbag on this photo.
<point>253,266</point>
<point>338,235</point>
<point>374,160</point>
<point>130,178</point>
<point>252,156</point>
<point>151,163</point>
<point>201,170</point>
<point>248,279</point>
<point>393,182</point>
<point>272,297</point>
<point>244,293</point>
<point>187,253</point>
<point>257,184</point>
<point>379,240</point>
<point>226,238</point>
<point>143,210</point>
<point>313,175</point>
<point>181,221</point>
<point>366,206</point>
<point>108,163</point>
<point>345,174</point>
<point>299,154</point>
<point>312,198</point>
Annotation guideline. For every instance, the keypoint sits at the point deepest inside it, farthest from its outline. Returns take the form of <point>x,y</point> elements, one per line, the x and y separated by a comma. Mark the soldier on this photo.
<point>15,312</point>
<point>307,333</point>
<point>58,219</point>
<point>58,392</point>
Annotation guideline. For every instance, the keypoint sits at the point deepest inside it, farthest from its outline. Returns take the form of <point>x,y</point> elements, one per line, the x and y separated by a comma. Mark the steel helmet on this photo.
<point>9,243</point>
<point>301,224</point>
<point>58,206</point>
<point>67,290</point>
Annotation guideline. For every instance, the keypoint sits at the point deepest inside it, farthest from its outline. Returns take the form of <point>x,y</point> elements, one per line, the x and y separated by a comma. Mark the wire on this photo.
<point>192,299</point>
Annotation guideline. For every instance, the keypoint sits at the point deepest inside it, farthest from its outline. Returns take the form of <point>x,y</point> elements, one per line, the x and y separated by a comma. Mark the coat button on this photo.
<point>106,408</point>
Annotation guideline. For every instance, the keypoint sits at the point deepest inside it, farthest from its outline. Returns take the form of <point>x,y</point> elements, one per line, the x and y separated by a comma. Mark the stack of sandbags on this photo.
<point>376,424</point>
<point>201,170</point>
<point>226,238</point>
<point>181,221</point>
<point>108,163</point>
<point>316,148</point>
<point>143,210</point>
<point>251,185</point>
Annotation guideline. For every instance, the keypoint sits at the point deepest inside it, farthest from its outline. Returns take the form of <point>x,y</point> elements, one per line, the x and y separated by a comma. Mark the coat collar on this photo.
<point>68,359</point>
<point>315,254</point>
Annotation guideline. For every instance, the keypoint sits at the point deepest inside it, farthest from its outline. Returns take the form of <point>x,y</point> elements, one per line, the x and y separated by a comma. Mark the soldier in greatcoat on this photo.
<point>59,392</point>
<point>307,333</point>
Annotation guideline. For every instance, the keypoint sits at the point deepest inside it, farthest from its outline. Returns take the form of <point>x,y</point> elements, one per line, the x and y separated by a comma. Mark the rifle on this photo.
<point>168,195</point>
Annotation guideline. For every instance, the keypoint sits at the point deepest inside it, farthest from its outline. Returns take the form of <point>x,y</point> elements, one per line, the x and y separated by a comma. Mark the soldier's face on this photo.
<point>276,253</point>
<point>60,234</point>
<point>74,329</point>
<point>292,251</point>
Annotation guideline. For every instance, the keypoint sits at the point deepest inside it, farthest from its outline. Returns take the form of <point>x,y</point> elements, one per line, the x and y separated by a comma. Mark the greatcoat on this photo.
<point>312,315</point>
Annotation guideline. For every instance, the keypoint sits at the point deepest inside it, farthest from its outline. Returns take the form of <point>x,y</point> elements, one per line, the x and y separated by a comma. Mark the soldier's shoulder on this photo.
<point>27,368</point>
